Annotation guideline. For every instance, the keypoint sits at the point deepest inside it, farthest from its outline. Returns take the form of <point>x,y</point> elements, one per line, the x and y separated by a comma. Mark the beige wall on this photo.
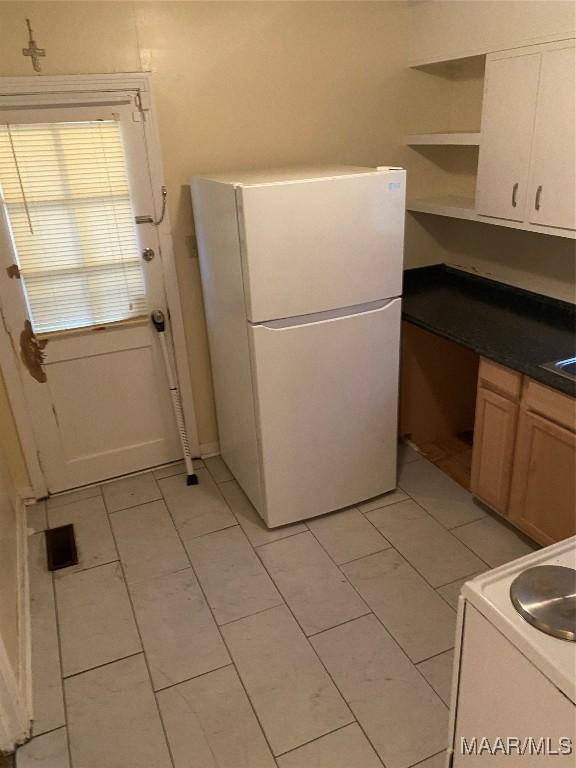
<point>9,565</point>
<point>447,29</point>
<point>237,84</point>
<point>10,443</point>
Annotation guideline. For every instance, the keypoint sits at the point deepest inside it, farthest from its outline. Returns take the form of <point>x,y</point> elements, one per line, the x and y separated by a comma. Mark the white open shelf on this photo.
<point>451,205</point>
<point>463,208</point>
<point>458,139</point>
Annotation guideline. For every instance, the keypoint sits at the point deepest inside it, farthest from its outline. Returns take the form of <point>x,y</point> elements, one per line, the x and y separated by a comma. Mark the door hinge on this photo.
<point>13,271</point>
<point>142,101</point>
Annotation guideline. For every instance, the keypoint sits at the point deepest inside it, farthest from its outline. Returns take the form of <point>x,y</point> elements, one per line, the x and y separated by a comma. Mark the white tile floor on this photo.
<point>190,636</point>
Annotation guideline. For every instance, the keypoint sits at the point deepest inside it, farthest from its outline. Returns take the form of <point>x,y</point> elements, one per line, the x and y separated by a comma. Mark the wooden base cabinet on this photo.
<point>543,494</point>
<point>524,458</point>
<point>494,437</point>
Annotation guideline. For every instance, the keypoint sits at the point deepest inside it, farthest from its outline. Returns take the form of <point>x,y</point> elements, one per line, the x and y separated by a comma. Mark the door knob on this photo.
<point>148,254</point>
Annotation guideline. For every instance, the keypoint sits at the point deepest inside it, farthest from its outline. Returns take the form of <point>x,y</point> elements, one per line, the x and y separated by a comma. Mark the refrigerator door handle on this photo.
<point>331,314</point>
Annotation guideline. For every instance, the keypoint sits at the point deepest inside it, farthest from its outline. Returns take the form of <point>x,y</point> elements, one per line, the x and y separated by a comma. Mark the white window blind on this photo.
<point>65,190</point>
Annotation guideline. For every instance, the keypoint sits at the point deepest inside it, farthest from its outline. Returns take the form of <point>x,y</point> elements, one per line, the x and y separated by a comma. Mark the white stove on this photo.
<point>514,686</point>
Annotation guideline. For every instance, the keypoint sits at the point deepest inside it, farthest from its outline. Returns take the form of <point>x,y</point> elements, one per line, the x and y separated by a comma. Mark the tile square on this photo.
<point>438,672</point>
<point>94,538</point>
<point>314,588</point>
<point>176,468</point>
<point>346,748</point>
<point>451,592</point>
<point>47,751</point>
<point>407,454</point>
<point>71,497</point>
<point>196,509</point>
<point>113,720</point>
<point>210,724</point>
<point>428,546</point>
<point>47,696</point>
<point>493,541</point>
<point>148,542</point>
<point>95,618</point>
<point>414,614</point>
<point>347,535</point>
<point>392,497</point>
<point>180,637</point>
<point>218,469</point>
<point>441,496</point>
<point>251,522</point>
<point>402,716</point>
<point>234,580</point>
<point>130,491</point>
<point>292,694</point>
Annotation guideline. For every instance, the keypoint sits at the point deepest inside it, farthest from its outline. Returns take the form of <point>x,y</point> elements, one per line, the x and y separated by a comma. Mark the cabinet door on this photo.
<point>543,494</point>
<point>552,199</point>
<point>507,128</point>
<point>494,435</point>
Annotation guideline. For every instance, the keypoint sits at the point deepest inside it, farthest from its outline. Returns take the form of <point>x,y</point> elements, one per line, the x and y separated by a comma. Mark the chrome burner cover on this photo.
<point>545,596</point>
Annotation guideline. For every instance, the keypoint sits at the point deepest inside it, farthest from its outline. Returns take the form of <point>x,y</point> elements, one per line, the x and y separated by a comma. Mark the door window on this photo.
<point>64,186</point>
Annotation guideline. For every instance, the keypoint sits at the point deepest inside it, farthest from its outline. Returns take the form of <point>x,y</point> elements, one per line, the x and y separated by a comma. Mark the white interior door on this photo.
<point>76,292</point>
<point>321,244</point>
<point>327,397</point>
<point>552,199</point>
<point>507,129</point>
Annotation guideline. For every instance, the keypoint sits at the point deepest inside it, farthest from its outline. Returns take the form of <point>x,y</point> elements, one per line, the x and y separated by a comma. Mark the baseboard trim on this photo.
<point>209,449</point>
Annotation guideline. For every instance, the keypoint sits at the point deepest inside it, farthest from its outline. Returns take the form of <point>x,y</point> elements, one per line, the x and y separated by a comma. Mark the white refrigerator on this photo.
<point>302,276</point>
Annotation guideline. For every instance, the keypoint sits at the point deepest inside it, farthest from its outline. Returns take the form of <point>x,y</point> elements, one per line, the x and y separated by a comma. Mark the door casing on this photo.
<point>23,91</point>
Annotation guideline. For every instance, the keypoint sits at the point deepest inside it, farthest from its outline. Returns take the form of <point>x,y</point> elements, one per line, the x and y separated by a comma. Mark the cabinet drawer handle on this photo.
<point>538,196</point>
<point>515,195</point>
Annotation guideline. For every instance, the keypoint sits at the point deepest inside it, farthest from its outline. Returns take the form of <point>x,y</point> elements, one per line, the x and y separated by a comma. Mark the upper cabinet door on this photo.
<point>507,128</point>
<point>553,179</point>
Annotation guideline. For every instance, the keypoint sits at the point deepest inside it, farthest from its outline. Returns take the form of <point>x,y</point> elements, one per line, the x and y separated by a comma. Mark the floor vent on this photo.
<point>61,547</point>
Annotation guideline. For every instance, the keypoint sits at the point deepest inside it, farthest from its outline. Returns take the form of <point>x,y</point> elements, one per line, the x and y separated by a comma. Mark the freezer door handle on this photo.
<point>331,314</point>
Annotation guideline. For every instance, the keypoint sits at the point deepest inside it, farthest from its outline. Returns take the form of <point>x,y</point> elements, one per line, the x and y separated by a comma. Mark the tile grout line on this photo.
<point>132,506</point>
<point>62,686</point>
<point>329,733</point>
<point>100,666</point>
<point>190,679</point>
<point>162,725</point>
<point>232,660</point>
<point>83,570</point>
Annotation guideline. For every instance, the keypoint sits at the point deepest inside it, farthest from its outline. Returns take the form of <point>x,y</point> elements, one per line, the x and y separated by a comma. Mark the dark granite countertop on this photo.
<point>517,328</point>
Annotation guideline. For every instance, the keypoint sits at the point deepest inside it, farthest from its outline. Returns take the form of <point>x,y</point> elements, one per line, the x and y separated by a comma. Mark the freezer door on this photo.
<point>326,401</point>
<point>315,245</point>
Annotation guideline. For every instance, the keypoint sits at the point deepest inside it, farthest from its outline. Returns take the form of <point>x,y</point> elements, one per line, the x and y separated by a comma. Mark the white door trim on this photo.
<point>27,87</point>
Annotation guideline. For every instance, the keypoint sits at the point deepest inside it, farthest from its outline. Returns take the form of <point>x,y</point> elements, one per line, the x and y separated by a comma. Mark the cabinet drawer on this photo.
<point>550,403</point>
<point>502,379</point>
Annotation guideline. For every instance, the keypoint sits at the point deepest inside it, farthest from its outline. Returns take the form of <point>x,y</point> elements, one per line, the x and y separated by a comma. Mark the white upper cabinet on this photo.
<point>553,179</point>
<point>526,163</point>
<point>507,126</point>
